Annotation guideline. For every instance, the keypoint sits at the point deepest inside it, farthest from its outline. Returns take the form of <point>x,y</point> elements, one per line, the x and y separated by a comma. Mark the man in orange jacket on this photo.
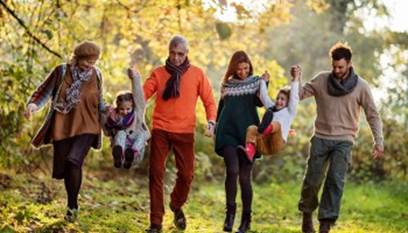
<point>177,86</point>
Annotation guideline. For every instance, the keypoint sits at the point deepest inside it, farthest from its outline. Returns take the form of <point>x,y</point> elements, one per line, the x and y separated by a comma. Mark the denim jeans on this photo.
<point>330,158</point>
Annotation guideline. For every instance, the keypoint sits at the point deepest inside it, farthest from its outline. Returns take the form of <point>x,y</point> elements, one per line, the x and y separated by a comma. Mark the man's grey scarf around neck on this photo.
<point>340,87</point>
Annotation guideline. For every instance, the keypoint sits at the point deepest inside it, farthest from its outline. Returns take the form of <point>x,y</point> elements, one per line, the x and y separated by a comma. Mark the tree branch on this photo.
<point>128,9</point>
<point>20,21</point>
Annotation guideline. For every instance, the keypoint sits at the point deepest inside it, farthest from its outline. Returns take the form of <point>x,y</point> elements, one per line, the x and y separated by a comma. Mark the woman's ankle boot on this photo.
<point>245,223</point>
<point>229,218</point>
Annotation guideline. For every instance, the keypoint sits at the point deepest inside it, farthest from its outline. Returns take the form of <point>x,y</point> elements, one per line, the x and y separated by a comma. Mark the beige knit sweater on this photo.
<point>338,117</point>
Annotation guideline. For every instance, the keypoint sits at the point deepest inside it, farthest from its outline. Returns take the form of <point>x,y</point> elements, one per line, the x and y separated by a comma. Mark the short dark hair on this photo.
<point>285,91</point>
<point>339,51</point>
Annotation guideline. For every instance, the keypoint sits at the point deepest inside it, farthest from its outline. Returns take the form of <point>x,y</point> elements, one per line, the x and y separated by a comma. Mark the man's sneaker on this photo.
<point>129,157</point>
<point>117,153</point>
<point>154,228</point>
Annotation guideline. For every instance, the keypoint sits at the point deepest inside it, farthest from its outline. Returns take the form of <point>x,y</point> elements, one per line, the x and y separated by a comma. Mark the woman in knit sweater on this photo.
<point>240,95</point>
<point>73,121</point>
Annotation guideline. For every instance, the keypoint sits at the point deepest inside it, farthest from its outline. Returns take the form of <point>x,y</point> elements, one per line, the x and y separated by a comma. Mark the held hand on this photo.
<point>296,72</point>
<point>265,76</point>
<point>210,129</point>
<point>112,114</point>
<point>133,73</point>
<point>29,110</point>
<point>292,133</point>
<point>378,152</point>
<point>109,109</point>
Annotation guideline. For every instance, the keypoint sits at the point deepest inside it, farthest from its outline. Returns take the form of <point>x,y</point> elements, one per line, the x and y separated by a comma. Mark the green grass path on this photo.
<point>120,204</point>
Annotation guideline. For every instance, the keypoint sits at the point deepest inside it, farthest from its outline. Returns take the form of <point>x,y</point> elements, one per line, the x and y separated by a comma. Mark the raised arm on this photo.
<point>294,96</point>
<point>296,73</point>
<point>138,96</point>
<point>264,96</point>
<point>307,90</point>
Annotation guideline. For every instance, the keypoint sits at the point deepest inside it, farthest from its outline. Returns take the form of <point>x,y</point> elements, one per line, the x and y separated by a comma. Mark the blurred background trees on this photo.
<point>37,35</point>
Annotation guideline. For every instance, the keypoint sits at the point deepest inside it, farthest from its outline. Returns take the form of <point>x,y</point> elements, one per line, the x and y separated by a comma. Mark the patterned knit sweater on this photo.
<point>236,111</point>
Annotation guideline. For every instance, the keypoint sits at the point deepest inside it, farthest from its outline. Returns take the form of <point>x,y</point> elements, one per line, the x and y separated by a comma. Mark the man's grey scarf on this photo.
<point>73,93</point>
<point>340,87</point>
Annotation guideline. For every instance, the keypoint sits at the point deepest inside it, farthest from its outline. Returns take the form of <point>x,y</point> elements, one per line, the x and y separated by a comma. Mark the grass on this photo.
<point>118,202</point>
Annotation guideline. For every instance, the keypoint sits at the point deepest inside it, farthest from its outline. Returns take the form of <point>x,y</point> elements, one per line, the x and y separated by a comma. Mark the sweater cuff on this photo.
<point>379,142</point>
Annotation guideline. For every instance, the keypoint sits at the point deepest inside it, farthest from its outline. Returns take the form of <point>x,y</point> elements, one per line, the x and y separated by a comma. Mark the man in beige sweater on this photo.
<point>339,94</point>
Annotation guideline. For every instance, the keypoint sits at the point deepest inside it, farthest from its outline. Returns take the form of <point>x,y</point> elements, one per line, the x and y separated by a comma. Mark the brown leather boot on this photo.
<point>325,225</point>
<point>307,223</point>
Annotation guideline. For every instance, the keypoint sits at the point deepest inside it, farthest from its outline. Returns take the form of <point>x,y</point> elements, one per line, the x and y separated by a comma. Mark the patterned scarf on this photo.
<point>173,84</point>
<point>122,123</point>
<point>340,87</point>
<point>73,93</point>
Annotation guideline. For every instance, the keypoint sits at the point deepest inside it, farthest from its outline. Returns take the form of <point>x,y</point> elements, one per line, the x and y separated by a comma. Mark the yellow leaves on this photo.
<point>318,6</point>
<point>241,11</point>
<point>139,31</point>
<point>223,29</point>
<point>276,14</point>
<point>277,79</point>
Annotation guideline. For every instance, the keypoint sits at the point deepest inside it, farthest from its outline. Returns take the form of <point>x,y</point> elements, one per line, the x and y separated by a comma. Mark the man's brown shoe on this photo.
<point>154,228</point>
<point>180,220</point>
<point>307,223</point>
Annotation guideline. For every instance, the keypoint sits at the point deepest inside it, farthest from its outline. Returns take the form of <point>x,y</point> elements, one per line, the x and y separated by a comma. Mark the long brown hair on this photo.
<point>238,57</point>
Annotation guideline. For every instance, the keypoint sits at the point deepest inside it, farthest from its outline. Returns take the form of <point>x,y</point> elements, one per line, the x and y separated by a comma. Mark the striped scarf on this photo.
<point>173,84</point>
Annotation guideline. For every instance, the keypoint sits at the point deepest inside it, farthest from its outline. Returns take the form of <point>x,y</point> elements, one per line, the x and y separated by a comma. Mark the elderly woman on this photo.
<point>73,121</point>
